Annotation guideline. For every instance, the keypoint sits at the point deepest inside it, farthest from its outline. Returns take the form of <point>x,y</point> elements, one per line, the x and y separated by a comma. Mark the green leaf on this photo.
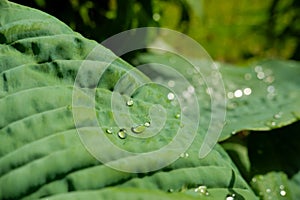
<point>273,185</point>
<point>259,97</point>
<point>41,152</point>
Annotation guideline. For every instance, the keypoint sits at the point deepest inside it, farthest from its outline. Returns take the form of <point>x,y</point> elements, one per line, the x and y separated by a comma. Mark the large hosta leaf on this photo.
<point>41,154</point>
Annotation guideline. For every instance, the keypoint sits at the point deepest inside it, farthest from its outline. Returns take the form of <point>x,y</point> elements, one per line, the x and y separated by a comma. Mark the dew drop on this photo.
<point>238,93</point>
<point>171,96</point>
<point>258,69</point>
<point>271,89</point>
<point>247,91</point>
<point>177,116</point>
<point>268,190</point>
<point>282,193</point>
<point>248,76</point>
<point>230,197</point>
<point>147,124</point>
<point>260,75</point>
<point>129,102</point>
<point>138,129</point>
<point>202,189</point>
<point>230,95</point>
<point>122,133</point>
<point>69,107</point>
<point>191,89</point>
<point>184,155</point>
<point>254,180</point>
<point>281,187</point>
<point>278,115</point>
<point>109,131</point>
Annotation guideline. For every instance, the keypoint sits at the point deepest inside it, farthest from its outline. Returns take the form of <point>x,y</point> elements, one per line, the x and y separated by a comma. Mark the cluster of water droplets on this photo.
<point>202,190</point>
<point>269,193</point>
<point>140,128</point>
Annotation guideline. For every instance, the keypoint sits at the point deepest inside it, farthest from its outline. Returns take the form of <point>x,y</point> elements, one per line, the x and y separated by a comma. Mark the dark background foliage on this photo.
<point>231,31</point>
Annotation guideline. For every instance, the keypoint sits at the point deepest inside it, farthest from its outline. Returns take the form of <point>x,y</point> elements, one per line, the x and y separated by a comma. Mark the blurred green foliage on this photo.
<point>231,31</point>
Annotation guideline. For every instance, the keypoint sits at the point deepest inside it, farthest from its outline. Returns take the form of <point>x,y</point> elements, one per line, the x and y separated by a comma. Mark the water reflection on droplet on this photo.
<point>138,129</point>
<point>122,133</point>
<point>278,115</point>
<point>269,79</point>
<point>281,187</point>
<point>177,116</point>
<point>260,75</point>
<point>230,95</point>
<point>238,93</point>
<point>202,189</point>
<point>230,197</point>
<point>271,89</point>
<point>109,131</point>
<point>184,155</point>
<point>129,102</point>
<point>282,193</point>
<point>147,124</point>
<point>191,89</point>
<point>171,96</point>
<point>247,91</point>
<point>258,68</point>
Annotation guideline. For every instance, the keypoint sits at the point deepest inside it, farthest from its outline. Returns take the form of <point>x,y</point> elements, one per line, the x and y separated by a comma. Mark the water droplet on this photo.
<point>238,93</point>
<point>281,187</point>
<point>138,129</point>
<point>247,91</point>
<point>191,89</point>
<point>260,75</point>
<point>230,95</point>
<point>171,83</point>
<point>258,69</point>
<point>109,131</point>
<point>248,76</point>
<point>271,123</point>
<point>129,102</point>
<point>202,189</point>
<point>122,133</point>
<point>268,190</point>
<point>269,79</point>
<point>230,197</point>
<point>171,96</point>
<point>282,193</point>
<point>69,107</point>
<point>147,124</point>
<point>177,116</point>
<point>271,89</point>
<point>254,180</point>
<point>278,115</point>
<point>184,155</point>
